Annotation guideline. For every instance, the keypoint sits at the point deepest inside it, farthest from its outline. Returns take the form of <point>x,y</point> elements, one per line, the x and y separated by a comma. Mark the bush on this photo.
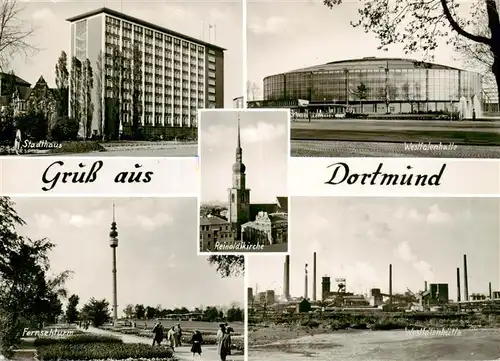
<point>237,342</point>
<point>310,323</point>
<point>64,129</point>
<point>76,339</point>
<point>101,351</point>
<point>33,126</point>
<point>78,147</point>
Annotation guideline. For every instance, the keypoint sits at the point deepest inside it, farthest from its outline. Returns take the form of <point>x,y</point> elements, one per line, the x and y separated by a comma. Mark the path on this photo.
<point>182,353</point>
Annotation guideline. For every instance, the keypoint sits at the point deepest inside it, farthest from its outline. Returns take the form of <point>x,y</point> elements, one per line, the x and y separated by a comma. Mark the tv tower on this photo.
<point>113,243</point>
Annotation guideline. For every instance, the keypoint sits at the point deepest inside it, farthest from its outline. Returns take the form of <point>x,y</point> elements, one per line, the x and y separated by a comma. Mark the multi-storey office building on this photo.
<point>169,75</point>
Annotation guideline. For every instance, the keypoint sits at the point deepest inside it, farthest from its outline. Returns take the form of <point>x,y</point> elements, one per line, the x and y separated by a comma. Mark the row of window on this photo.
<point>113,27</point>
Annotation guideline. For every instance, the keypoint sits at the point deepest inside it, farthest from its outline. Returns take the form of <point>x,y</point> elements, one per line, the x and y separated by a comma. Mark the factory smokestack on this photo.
<point>286,281</point>
<point>466,283</point>
<point>314,277</point>
<point>458,284</point>
<point>425,286</point>
<point>305,282</point>
<point>390,287</point>
<point>489,289</point>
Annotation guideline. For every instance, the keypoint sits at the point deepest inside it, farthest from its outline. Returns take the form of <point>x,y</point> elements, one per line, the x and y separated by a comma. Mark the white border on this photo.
<point>244,53</point>
<point>163,161</point>
<point>245,303</point>
<point>288,126</point>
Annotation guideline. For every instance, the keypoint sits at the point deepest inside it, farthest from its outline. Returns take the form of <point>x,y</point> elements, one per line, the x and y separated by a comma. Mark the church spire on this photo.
<point>239,139</point>
<point>239,151</point>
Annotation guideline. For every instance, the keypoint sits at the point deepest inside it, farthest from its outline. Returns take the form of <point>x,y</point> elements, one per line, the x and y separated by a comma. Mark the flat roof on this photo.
<point>138,21</point>
<point>370,63</point>
<point>212,220</point>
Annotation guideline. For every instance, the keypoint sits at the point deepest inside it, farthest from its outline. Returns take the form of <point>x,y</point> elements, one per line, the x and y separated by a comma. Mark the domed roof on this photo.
<point>239,168</point>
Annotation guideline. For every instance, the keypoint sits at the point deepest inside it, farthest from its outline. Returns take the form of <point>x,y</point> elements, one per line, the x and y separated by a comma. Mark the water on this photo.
<point>467,106</point>
<point>384,345</point>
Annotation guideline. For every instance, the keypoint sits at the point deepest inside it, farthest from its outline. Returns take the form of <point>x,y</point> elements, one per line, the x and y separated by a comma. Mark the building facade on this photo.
<point>266,229</point>
<point>378,85</point>
<point>212,230</point>
<point>164,77</point>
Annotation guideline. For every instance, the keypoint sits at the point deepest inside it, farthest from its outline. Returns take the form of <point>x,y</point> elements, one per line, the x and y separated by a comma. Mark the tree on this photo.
<point>477,55</point>
<point>419,25</point>
<point>211,314</point>
<point>86,92</point>
<point>136,92</point>
<point>71,311</point>
<point>235,314</point>
<point>76,87</point>
<point>128,311</point>
<point>150,312</point>
<point>99,89</point>
<point>97,312</point>
<point>361,93</point>
<point>64,129</point>
<point>62,79</point>
<point>113,103</point>
<point>28,296</point>
<point>14,33</point>
<point>228,266</point>
<point>140,312</point>
<point>252,90</point>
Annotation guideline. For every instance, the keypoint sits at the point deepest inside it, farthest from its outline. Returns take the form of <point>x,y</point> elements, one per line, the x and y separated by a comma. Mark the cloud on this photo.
<point>261,132</point>
<point>358,276</point>
<point>43,221</point>
<point>271,25</point>
<point>411,214</point>
<point>424,269</point>
<point>43,14</point>
<point>157,221</point>
<point>171,261</point>
<point>405,252</point>
<point>436,215</point>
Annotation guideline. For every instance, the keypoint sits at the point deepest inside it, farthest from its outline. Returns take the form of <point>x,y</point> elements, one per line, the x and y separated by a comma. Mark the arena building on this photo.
<point>376,85</point>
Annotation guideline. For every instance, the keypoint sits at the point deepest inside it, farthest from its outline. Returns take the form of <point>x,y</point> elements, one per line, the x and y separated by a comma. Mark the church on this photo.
<point>262,224</point>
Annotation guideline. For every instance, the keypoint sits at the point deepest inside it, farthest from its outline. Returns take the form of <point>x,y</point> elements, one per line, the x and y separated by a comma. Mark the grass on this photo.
<point>101,351</point>
<point>391,321</point>
<point>76,339</point>
<point>399,136</point>
<point>78,147</point>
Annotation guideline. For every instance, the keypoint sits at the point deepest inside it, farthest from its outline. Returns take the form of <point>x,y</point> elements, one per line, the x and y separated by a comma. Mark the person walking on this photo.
<point>171,338</point>
<point>178,335</point>
<point>196,341</point>
<point>220,336</point>
<point>225,349</point>
<point>158,333</point>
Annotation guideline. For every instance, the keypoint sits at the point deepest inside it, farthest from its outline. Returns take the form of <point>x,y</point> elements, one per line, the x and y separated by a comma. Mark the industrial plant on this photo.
<point>336,297</point>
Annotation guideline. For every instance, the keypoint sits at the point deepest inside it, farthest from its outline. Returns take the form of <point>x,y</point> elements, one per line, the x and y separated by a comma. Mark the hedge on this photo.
<point>101,351</point>
<point>78,147</point>
<point>76,340</point>
<point>237,343</point>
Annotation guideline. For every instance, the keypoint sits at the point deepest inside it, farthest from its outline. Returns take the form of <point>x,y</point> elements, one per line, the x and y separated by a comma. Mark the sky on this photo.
<point>264,140</point>
<point>190,17</point>
<point>156,256</point>
<point>357,238</point>
<point>291,35</point>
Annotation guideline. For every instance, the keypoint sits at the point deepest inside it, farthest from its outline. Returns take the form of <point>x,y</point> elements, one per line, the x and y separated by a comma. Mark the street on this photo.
<point>209,353</point>
<point>386,138</point>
